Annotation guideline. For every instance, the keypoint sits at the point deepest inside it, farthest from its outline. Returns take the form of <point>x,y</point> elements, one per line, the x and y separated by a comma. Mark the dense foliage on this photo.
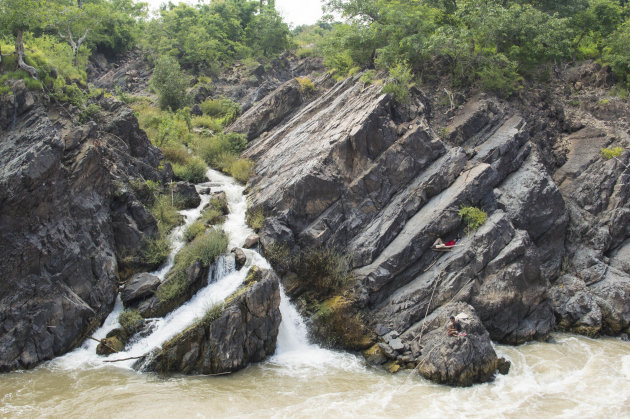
<point>209,37</point>
<point>491,43</point>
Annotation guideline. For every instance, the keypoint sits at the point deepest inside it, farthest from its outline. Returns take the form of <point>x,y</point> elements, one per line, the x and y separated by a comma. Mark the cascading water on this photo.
<point>574,376</point>
<point>293,347</point>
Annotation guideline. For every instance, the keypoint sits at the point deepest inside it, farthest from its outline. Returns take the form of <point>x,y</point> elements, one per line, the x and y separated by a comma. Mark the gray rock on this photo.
<point>196,110</point>
<point>245,331</point>
<point>575,306</point>
<point>396,345</point>
<point>239,257</point>
<point>187,196</point>
<point>455,360</point>
<point>139,287</point>
<point>270,111</point>
<point>251,241</point>
<point>70,225</point>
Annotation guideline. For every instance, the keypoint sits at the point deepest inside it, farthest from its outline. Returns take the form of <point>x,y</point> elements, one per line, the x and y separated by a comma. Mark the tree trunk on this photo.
<point>76,47</point>
<point>19,48</point>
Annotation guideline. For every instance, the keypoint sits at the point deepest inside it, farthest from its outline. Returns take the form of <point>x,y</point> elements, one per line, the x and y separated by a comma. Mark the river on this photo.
<point>571,376</point>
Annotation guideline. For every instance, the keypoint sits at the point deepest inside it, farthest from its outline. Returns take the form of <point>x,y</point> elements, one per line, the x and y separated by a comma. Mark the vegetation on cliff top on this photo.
<point>492,44</point>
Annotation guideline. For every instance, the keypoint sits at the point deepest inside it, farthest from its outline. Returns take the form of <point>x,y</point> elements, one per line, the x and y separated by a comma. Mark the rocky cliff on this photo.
<point>230,336</point>
<point>67,219</point>
<point>380,181</point>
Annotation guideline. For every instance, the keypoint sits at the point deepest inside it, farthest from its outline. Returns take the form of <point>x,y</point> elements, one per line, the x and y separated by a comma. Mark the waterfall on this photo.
<point>293,347</point>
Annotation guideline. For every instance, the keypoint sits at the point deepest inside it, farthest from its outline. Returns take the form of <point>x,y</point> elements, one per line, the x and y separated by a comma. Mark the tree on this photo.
<point>17,17</point>
<point>75,19</point>
<point>170,82</point>
<point>119,29</point>
<point>597,22</point>
<point>267,33</point>
<point>618,53</point>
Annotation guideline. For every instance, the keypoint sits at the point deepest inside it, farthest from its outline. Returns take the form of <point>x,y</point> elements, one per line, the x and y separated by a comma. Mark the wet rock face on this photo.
<point>244,331</point>
<point>67,219</point>
<point>351,169</point>
<point>354,170</point>
<point>457,360</point>
<point>592,296</point>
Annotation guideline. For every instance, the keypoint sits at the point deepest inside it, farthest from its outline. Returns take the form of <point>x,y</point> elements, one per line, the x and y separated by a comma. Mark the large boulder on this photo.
<point>69,220</point>
<point>139,287</point>
<point>457,360</point>
<point>228,338</point>
<point>187,196</point>
<point>177,288</point>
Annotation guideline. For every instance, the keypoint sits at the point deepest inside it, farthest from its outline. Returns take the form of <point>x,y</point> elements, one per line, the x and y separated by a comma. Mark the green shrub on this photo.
<point>255,218</point>
<point>194,230</point>
<point>205,248</point>
<point>165,213</point>
<point>225,160</point>
<point>219,205</point>
<point>193,171</point>
<point>279,256</point>
<point>131,321</point>
<point>399,83</point>
<point>221,152</point>
<point>611,153</point>
<point>306,85</point>
<point>171,130</point>
<point>323,269</point>
<point>221,108</point>
<point>206,121</point>
<point>212,314</point>
<point>176,153</point>
<point>170,82</point>
<point>156,250</point>
<point>241,170</point>
<point>368,77</point>
<point>90,113</point>
<point>500,76</point>
<point>234,141</point>
<point>473,217</point>
<point>211,216</point>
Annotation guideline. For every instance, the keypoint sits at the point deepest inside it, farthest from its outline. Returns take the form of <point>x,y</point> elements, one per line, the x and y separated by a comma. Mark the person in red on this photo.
<point>454,328</point>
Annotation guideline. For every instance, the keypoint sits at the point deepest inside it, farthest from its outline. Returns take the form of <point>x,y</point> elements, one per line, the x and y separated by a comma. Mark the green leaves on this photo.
<point>170,82</point>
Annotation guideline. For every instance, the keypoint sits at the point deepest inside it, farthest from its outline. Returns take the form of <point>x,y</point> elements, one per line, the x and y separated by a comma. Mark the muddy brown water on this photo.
<point>572,377</point>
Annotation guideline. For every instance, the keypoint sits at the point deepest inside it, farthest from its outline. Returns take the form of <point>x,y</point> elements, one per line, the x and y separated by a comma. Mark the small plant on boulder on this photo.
<point>473,217</point>
<point>131,321</point>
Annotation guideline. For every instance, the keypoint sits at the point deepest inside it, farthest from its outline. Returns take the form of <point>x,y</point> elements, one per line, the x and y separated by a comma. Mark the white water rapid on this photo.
<point>293,349</point>
<point>570,377</point>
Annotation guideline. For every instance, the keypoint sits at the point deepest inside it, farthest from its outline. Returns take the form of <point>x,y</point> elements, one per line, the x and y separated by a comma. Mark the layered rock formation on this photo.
<point>229,337</point>
<point>67,218</point>
<point>381,182</point>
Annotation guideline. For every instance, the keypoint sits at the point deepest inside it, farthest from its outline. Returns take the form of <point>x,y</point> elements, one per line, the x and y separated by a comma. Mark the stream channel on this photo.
<point>572,376</point>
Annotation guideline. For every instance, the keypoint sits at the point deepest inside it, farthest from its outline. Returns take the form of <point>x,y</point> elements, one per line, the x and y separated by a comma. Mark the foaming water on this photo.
<point>227,281</point>
<point>573,377</point>
<point>296,356</point>
<point>177,235</point>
